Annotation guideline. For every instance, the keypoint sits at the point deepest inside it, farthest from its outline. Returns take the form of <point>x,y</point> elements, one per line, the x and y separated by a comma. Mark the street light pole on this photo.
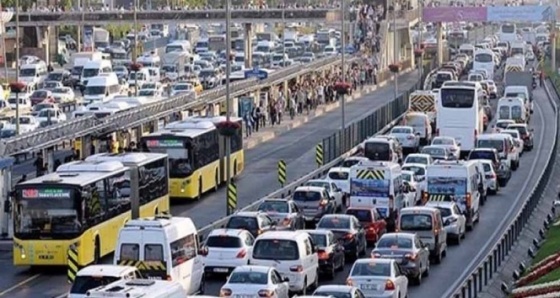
<point>135,50</point>
<point>230,209</point>
<point>343,54</point>
<point>395,49</point>
<point>3,31</point>
<point>17,66</point>
<point>284,34</point>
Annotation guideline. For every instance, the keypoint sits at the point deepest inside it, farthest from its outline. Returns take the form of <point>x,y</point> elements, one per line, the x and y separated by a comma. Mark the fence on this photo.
<point>481,275</point>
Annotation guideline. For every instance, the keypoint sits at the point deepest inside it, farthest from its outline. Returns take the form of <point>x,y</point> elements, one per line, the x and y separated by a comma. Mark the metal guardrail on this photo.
<point>472,283</point>
<point>389,115</point>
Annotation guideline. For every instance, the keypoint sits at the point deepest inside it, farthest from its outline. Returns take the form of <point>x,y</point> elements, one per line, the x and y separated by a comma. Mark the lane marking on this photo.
<point>20,284</point>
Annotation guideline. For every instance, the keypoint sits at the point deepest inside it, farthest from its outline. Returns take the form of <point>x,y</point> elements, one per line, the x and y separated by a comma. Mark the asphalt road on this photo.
<point>259,178</point>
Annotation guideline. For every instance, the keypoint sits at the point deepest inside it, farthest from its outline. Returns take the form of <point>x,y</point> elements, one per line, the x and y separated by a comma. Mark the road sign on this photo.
<point>319,155</point>
<point>454,14</point>
<point>282,172</point>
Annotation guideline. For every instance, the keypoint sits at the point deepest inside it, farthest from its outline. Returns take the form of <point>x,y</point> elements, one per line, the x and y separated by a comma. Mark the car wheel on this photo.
<point>427,270</point>
<point>342,263</point>
<point>418,279</point>
<point>458,240</point>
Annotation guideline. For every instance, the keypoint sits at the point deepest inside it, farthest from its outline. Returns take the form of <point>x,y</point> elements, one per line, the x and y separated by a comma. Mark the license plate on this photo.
<point>369,287</point>
<point>221,270</point>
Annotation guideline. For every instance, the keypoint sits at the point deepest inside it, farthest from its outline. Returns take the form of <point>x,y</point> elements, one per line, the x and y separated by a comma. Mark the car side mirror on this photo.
<point>285,279</point>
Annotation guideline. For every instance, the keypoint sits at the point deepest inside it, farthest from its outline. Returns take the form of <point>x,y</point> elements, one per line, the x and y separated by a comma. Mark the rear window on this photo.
<point>130,252</point>
<point>487,167</point>
<point>349,163</point>
<point>334,223</point>
<point>249,277</point>
<point>445,212</point>
<point>223,242</point>
<point>377,151</point>
<point>153,252</point>
<point>82,284</point>
<point>361,215</point>
<point>274,206</point>
<point>391,241</point>
<point>305,196</point>
<point>242,222</point>
<point>319,239</point>
<point>442,141</point>
<point>338,175</point>
<point>521,129</point>
<point>503,125</point>
<point>496,144</point>
<point>416,222</point>
<point>371,269</point>
<point>482,155</point>
<point>275,249</point>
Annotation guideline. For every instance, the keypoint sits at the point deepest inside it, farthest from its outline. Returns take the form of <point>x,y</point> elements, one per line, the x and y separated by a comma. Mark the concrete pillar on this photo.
<point>248,46</point>
<point>49,159</point>
<point>439,45</point>
<point>44,43</point>
<point>53,43</point>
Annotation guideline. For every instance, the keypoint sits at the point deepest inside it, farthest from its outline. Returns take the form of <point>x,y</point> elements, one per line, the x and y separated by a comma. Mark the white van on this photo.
<point>95,68</point>
<point>420,122</point>
<point>141,77</point>
<point>505,146</point>
<point>381,149</point>
<point>145,288</point>
<point>475,77</point>
<point>292,253</point>
<point>523,93</point>
<point>95,276</point>
<point>33,74</point>
<point>101,89</point>
<point>163,247</point>
<point>454,180</point>
<point>512,108</point>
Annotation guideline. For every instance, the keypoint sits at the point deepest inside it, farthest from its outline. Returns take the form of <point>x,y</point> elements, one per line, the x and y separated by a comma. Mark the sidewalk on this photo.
<point>270,132</point>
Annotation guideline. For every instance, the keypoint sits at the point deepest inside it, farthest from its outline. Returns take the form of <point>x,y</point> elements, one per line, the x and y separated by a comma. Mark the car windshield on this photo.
<point>416,159</point>
<point>276,249</point>
<point>82,284</point>
<point>249,277</point>
<point>224,241</point>
<point>372,268</point>
<point>335,175</point>
<point>442,141</point>
<point>402,130</point>
<point>306,196</point>
<point>406,177</point>
<point>394,241</point>
<point>39,94</point>
<point>61,90</point>
<point>336,223</point>
<point>182,87</point>
<point>274,206</point>
<point>242,222</point>
<point>433,151</point>
<point>521,129</point>
<point>348,163</point>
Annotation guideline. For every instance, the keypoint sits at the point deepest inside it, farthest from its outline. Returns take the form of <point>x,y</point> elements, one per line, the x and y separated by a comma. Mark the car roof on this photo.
<point>310,188</point>
<point>419,155</point>
<point>399,234</point>
<point>336,288</point>
<point>227,232</point>
<point>252,268</point>
<point>247,213</point>
<point>420,165</point>
<point>376,260</point>
<point>340,169</point>
<point>440,204</point>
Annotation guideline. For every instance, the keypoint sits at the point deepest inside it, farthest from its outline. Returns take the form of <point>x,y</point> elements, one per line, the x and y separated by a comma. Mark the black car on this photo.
<point>348,231</point>
<point>331,252</point>
<point>502,170</point>
<point>254,222</point>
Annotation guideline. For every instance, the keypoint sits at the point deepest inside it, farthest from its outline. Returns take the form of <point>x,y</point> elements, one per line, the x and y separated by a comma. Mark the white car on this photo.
<point>519,143</point>
<point>420,158</point>
<point>419,186</point>
<point>418,169</point>
<point>182,88</point>
<point>225,249</point>
<point>502,124</point>
<point>255,281</point>
<point>152,85</point>
<point>153,93</point>
<point>340,177</point>
<point>55,115</point>
<point>410,195</point>
<point>63,94</point>
<point>450,143</point>
<point>352,160</point>
<point>409,140</point>
<point>492,184</point>
<point>338,291</point>
<point>24,101</point>
<point>26,124</point>
<point>377,277</point>
<point>530,56</point>
<point>333,190</point>
<point>454,222</point>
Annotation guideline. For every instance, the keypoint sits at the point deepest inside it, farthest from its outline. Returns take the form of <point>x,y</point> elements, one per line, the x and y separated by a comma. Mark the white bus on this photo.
<point>508,32</point>
<point>460,114</point>
<point>163,248</point>
<point>484,60</point>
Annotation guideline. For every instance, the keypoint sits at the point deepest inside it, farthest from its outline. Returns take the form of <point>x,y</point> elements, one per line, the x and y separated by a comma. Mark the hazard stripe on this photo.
<point>371,174</point>
<point>422,103</point>
<point>144,265</point>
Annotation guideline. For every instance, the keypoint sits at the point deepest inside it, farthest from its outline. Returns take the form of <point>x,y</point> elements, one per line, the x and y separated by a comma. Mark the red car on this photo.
<point>374,225</point>
<point>40,96</point>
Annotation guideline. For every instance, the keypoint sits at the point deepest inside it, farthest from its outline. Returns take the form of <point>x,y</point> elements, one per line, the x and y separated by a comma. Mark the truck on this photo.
<point>520,78</point>
<point>101,38</point>
<point>423,101</point>
<point>173,65</point>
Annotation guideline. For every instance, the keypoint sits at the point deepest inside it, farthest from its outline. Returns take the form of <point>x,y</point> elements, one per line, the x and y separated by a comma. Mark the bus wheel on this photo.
<point>216,181</point>
<point>235,169</point>
<point>97,252</point>
<point>199,196</point>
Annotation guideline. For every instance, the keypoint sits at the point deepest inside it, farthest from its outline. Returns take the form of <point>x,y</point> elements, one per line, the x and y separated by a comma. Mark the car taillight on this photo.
<point>297,268</point>
<point>259,231</point>
<point>469,199</point>
<point>349,236</point>
<point>323,255</point>
<point>225,292</point>
<point>349,282</point>
<point>168,278</point>
<point>375,255</point>
<point>241,254</point>
<point>410,257</point>
<point>389,286</point>
<point>266,293</point>
<point>203,251</point>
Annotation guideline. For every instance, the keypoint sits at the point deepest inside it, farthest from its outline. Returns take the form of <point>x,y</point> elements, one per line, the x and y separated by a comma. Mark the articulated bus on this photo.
<point>85,204</point>
<point>197,154</point>
<point>460,114</point>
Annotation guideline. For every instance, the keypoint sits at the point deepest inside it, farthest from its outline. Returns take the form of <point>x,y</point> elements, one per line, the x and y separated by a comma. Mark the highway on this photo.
<point>258,179</point>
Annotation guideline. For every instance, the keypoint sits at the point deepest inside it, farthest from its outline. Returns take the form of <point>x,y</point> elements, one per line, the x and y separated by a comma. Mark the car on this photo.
<point>407,249</point>
<point>41,95</point>
<point>285,213</point>
<point>519,143</point>
<point>253,221</point>
<point>418,169</point>
<point>53,115</point>
<point>339,176</point>
<point>438,152</point>
<point>27,123</point>
<point>348,230</point>
<point>339,291</point>
<point>39,107</point>
<point>450,143</point>
<point>502,124</point>
<point>503,172</point>
<point>410,141</point>
<point>334,191</point>
<point>492,89</point>
<point>454,222</point>
<point>378,278</point>
<point>314,202</point>
<point>63,94</point>
<point>153,93</point>
<point>420,158</point>
<point>50,85</point>
<point>182,88</point>
<point>331,252</point>
<point>374,225</point>
<point>526,134</point>
<point>255,281</point>
<point>492,184</point>
<point>225,249</point>
<point>419,186</point>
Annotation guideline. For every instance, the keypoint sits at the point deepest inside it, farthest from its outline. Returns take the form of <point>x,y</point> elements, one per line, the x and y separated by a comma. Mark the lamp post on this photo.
<point>284,34</point>
<point>343,54</point>
<point>135,49</point>
<point>230,209</point>
<point>17,65</point>
<point>81,6</point>
<point>420,39</point>
<point>395,50</point>
<point>3,31</point>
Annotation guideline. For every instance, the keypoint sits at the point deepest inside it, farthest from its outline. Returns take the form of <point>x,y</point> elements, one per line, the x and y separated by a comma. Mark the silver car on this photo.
<point>285,213</point>
<point>454,222</point>
<point>409,140</point>
<point>334,192</point>
<point>314,202</point>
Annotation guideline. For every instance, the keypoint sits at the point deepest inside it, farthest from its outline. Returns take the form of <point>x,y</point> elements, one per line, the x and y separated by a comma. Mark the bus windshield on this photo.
<point>179,157</point>
<point>507,28</point>
<point>46,212</point>
<point>457,98</point>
